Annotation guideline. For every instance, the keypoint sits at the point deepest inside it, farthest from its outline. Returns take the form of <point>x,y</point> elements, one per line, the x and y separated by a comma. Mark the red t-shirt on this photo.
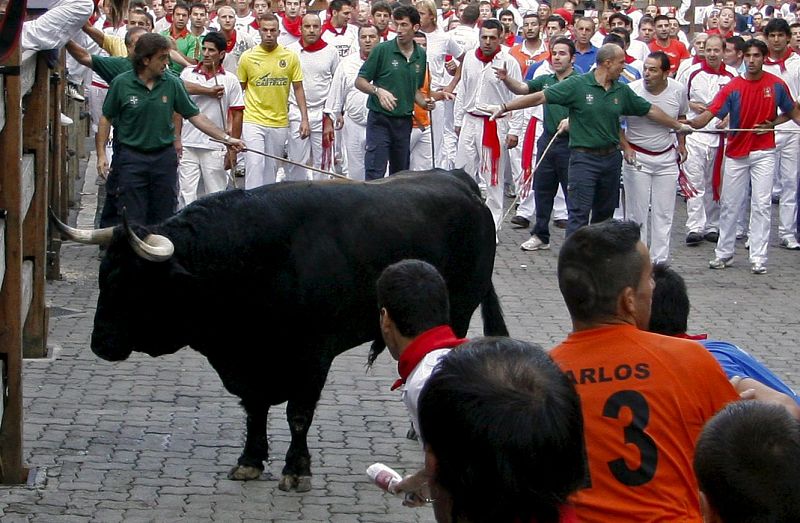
<point>644,399</point>
<point>751,102</point>
<point>676,52</point>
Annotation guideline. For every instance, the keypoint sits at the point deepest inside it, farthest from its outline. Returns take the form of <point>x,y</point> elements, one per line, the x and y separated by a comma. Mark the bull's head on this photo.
<point>130,315</point>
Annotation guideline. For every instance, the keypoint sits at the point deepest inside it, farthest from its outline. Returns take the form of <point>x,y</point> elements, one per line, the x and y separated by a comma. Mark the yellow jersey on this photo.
<point>267,77</point>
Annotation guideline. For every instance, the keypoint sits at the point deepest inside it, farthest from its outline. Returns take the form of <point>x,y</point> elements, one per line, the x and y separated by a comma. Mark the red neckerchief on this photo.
<point>528,146</point>
<point>511,39</point>
<point>169,18</point>
<point>385,34</point>
<point>630,10</point>
<point>695,337</point>
<point>199,69</point>
<point>629,59</point>
<point>180,35</point>
<point>441,337</point>
<point>328,27</point>
<point>697,60</point>
<point>316,46</point>
<point>490,156</point>
<point>327,156</point>
<point>447,14</point>
<point>483,58</point>
<point>292,26</point>
<point>781,62</point>
<point>254,25</point>
<point>230,44</point>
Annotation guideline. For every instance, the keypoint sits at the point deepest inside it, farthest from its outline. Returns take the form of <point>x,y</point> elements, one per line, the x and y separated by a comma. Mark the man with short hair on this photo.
<point>466,34</point>
<point>595,100</point>
<point>382,18</point>
<point>336,31</point>
<point>794,42</point>
<point>585,52</point>
<point>291,23</point>
<point>674,49</point>
<point>556,26</point>
<point>544,11</point>
<point>318,61</point>
<point>532,49</point>
<point>393,75</point>
<point>644,397</point>
<point>348,106</point>
<point>482,144</point>
<point>163,24</point>
<point>734,53</point>
<point>785,64</point>
<point>267,72</point>
<point>752,101</point>
<point>201,157</point>
<point>652,157</point>
<point>604,26</point>
<point>141,103</point>
<point>636,48</point>
<point>727,23</point>
<point>647,30</point>
<point>185,42</point>
<point>746,464</point>
<point>628,8</point>
<point>236,42</point>
<point>703,168</point>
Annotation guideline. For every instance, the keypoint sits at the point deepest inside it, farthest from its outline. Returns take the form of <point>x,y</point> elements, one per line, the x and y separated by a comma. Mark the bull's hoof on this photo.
<point>244,473</point>
<point>297,483</point>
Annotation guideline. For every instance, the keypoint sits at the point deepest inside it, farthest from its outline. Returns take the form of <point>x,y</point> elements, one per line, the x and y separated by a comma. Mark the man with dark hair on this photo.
<point>141,103</point>
<point>556,26</point>
<point>595,100</point>
<point>734,53</point>
<point>637,49</point>
<point>652,157</point>
<point>532,49</point>
<point>673,48</point>
<point>336,31</point>
<point>393,75</point>
<point>495,415</point>
<point>382,17</point>
<point>483,144</point>
<point>748,465</point>
<point>178,32</point>
<point>201,157</point>
<point>644,396</point>
<point>633,68</point>
<point>466,34</point>
<point>552,170</point>
<point>785,64</point>
<point>752,101</point>
<point>670,317</point>
<point>585,52</point>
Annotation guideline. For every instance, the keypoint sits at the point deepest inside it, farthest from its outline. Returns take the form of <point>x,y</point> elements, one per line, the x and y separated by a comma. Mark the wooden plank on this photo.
<point>36,128</point>
<point>57,167</point>
<point>28,62</point>
<point>12,470</point>
<point>28,183</point>
<point>2,254</point>
<point>27,287</point>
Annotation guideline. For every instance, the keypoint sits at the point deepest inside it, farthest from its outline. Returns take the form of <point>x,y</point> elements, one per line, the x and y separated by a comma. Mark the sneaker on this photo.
<point>758,268</point>
<point>711,236</point>
<point>791,244</point>
<point>521,222</point>
<point>720,263</point>
<point>694,238</point>
<point>561,224</point>
<point>534,244</point>
<point>509,191</point>
<point>72,92</point>
<point>65,120</point>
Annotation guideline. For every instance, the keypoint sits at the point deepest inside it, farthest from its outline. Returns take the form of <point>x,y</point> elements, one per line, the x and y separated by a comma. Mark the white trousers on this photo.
<point>57,26</point>
<point>195,163</point>
<point>755,170</point>
<point>96,95</point>
<point>307,151</point>
<point>260,170</point>
<point>702,212</point>
<point>421,155</point>
<point>354,137</point>
<point>787,148</point>
<point>651,191</point>
<point>469,157</point>
<point>444,135</point>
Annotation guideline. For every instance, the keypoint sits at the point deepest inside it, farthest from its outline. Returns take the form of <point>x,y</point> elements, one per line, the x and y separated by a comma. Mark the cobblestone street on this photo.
<point>152,439</point>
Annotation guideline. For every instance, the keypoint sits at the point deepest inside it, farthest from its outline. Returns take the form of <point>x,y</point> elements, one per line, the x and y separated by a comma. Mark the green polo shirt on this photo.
<point>142,118</point>
<point>594,112</point>
<point>553,113</point>
<point>189,46</point>
<point>109,67</point>
<point>388,69</point>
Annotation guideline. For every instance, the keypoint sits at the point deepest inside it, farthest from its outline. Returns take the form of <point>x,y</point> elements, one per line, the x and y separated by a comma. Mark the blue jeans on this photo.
<point>593,187</point>
<point>388,141</point>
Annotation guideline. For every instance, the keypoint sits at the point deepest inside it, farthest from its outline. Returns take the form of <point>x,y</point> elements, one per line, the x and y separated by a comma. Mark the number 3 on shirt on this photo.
<point>633,435</point>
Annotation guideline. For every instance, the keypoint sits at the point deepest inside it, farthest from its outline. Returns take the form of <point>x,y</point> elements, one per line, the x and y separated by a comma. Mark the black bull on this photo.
<point>297,262</point>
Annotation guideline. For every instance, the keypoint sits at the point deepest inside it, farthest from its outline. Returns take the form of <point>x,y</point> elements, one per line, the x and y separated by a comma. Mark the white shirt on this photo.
<point>416,381</point>
<point>792,78</point>
<point>638,50</point>
<point>439,45</point>
<point>479,85</point>
<point>244,41</point>
<point>344,96</point>
<point>318,68</point>
<point>702,87</point>
<point>346,43</point>
<point>243,21</point>
<point>191,136</point>
<point>646,133</point>
<point>466,37</point>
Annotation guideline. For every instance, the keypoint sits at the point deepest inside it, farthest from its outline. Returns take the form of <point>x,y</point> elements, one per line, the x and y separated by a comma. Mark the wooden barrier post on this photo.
<point>56,166</point>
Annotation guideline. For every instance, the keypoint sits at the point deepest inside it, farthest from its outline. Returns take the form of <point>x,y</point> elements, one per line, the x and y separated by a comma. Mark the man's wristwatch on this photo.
<point>375,90</point>
<point>226,138</point>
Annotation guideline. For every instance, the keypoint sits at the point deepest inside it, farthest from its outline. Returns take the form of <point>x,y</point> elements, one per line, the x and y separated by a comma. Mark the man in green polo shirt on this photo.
<point>393,75</point>
<point>595,101</point>
<point>140,104</point>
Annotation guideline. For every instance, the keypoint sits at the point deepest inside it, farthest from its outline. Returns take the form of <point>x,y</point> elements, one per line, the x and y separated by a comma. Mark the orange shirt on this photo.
<point>644,398</point>
<point>524,59</point>
<point>676,52</point>
<point>421,118</point>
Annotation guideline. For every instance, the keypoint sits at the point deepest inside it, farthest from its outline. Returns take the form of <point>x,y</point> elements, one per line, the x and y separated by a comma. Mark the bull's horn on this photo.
<point>154,247</point>
<point>86,236</point>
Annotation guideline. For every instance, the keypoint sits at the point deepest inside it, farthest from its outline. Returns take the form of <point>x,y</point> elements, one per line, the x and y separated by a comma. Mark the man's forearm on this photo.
<point>515,86</point>
<point>364,85</point>
<point>701,120</point>
<point>236,123</point>
<point>529,100</point>
<point>94,33</point>
<point>80,54</point>
<point>101,137</point>
<point>300,96</point>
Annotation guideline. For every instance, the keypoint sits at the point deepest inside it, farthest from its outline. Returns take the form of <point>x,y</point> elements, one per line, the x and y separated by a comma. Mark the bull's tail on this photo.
<point>492,313</point>
<point>375,350</point>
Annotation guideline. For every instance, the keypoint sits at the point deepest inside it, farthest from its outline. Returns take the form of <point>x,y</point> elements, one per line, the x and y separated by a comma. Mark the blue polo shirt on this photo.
<point>586,60</point>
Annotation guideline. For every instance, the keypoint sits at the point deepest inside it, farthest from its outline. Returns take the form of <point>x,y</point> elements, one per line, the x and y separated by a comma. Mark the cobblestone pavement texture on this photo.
<point>152,440</point>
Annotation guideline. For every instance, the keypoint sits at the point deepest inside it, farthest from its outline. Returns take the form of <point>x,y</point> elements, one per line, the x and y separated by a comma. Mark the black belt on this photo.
<point>604,151</point>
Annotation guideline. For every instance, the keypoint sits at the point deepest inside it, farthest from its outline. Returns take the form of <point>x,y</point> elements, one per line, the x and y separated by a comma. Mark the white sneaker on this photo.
<point>758,268</point>
<point>791,244</point>
<point>534,244</point>
<point>66,120</point>
<point>72,92</point>
<point>720,263</point>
